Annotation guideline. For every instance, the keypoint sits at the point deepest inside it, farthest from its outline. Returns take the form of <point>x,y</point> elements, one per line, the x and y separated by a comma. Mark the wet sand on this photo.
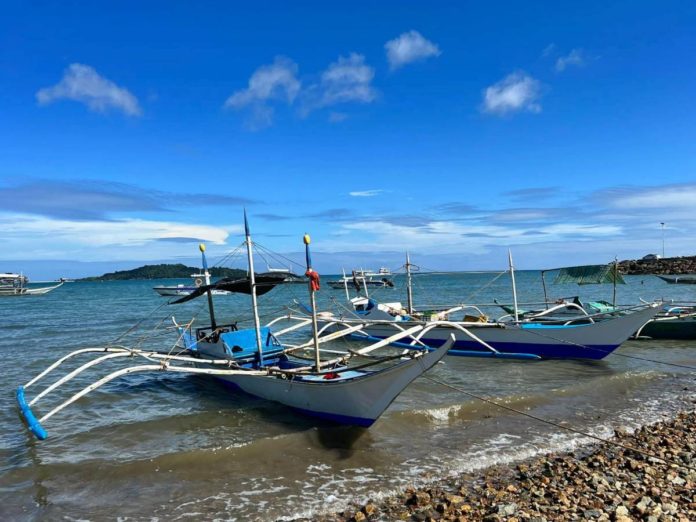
<point>603,482</point>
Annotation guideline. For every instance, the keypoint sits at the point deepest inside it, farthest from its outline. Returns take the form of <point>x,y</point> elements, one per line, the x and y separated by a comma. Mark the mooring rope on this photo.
<point>557,425</point>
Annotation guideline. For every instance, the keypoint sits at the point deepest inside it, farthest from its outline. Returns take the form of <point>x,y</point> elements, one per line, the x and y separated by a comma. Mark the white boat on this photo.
<point>363,279</point>
<point>18,284</point>
<point>351,387</point>
<point>480,337</point>
<point>198,279</point>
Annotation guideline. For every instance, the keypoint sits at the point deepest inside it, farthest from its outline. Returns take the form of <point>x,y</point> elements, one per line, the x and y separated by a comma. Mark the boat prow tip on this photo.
<point>34,425</point>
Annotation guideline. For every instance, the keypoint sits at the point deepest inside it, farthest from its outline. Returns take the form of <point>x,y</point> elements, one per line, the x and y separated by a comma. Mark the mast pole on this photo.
<point>543,284</point>
<point>514,287</point>
<point>616,273</point>
<point>211,308</point>
<point>345,285</point>
<point>409,289</point>
<point>313,286</point>
<point>252,283</point>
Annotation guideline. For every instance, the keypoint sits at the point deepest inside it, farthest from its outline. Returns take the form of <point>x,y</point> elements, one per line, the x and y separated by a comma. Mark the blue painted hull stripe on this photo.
<point>464,348</point>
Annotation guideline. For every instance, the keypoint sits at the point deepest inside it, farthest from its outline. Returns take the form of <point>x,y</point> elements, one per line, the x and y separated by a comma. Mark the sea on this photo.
<point>170,446</point>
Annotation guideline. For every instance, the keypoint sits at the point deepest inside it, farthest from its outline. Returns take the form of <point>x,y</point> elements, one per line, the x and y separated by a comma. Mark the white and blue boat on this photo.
<point>477,336</point>
<point>352,387</point>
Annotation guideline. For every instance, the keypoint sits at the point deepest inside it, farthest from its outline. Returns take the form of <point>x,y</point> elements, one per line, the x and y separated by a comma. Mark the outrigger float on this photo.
<point>352,387</point>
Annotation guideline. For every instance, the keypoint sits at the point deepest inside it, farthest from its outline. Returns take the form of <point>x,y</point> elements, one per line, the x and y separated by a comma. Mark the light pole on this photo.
<point>662,225</point>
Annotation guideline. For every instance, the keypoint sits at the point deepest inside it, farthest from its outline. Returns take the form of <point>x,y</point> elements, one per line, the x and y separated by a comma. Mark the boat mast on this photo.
<point>616,273</point>
<point>543,284</point>
<point>252,284</point>
<point>211,309</point>
<point>514,287</point>
<point>345,284</point>
<point>409,290</point>
<point>313,287</point>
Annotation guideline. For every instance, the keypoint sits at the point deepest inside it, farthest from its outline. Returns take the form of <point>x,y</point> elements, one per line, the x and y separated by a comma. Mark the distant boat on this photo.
<point>290,277</point>
<point>17,284</point>
<point>364,278</point>
<point>182,289</point>
<point>679,279</point>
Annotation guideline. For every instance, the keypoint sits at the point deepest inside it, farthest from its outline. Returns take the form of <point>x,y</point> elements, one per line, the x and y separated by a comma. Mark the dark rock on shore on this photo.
<point>609,483</point>
<point>668,265</point>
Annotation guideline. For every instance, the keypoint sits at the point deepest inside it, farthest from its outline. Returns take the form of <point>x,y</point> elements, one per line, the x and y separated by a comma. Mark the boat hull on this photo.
<point>682,328</point>
<point>586,341</point>
<point>355,401</point>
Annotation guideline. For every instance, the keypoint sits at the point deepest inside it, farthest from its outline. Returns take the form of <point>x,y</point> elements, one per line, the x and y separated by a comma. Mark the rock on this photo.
<point>369,509</point>
<point>591,513</point>
<point>454,499</point>
<point>507,509</point>
<point>359,517</point>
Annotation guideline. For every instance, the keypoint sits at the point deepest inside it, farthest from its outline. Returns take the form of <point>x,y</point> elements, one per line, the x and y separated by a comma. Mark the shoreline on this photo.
<point>601,481</point>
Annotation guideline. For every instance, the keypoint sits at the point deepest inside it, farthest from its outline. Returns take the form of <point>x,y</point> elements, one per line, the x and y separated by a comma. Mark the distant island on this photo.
<point>165,271</point>
<point>654,265</point>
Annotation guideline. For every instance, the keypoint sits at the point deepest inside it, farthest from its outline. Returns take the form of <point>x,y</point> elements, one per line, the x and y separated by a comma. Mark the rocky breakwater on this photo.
<point>608,483</point>
<point>668,265</point>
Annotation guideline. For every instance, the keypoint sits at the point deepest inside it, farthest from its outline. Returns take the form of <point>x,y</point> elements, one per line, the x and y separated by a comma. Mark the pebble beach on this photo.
<point>603,482</point>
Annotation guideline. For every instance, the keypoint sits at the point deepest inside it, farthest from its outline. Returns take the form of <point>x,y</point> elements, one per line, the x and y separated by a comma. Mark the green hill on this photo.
<point>165,271</point>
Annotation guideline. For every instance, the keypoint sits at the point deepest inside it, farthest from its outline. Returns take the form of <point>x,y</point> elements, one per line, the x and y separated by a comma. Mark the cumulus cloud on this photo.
<point>574,57</point>
<point>349,79</point>
<point>366,193</point>
<point>409,47</point>
<point>275,82</point>
<point>83,84</point>
<point>516,92</point>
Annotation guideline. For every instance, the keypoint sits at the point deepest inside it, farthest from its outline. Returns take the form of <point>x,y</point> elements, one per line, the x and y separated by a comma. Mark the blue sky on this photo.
<point>453,130</point>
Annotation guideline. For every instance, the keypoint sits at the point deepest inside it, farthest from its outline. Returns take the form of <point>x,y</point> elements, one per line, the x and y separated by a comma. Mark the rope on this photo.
<point>557,425</point>
<point>138,323</point>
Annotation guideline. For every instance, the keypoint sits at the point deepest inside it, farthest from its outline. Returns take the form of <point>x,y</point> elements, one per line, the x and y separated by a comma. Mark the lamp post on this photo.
<point>662,225</point>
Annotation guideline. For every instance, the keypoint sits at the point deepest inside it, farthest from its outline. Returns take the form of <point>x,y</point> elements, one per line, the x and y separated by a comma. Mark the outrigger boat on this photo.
<point>17,284</point>
<point>679,279</point>
<point>478,336</point>
<point>352,387</point>
<point>674,320</point>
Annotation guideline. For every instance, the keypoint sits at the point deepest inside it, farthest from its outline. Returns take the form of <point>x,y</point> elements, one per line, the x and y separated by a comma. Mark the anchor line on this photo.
<point>560,426</point>
<point>137,323</point>
<point>614,353</point>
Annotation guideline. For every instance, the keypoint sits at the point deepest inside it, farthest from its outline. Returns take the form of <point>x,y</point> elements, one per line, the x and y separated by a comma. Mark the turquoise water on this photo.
<point>180,447</point>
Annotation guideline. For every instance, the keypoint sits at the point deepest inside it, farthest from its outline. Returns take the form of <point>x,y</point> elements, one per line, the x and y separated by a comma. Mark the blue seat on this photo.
<point>242,343</point>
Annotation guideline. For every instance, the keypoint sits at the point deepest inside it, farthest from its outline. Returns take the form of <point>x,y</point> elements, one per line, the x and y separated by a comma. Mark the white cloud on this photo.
<point>269,82</point>
<point>83,84</point>
<point>575,57</point>
<point>674,196</point>
<point>348,80</point>
<point>275,82</point>
<point>516,92</point>
<point>366,193</point>
<point>409,47</point>
<point>123,233</point>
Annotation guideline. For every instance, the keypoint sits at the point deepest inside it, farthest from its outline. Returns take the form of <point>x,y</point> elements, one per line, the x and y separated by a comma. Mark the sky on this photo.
<point>131,131</point>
